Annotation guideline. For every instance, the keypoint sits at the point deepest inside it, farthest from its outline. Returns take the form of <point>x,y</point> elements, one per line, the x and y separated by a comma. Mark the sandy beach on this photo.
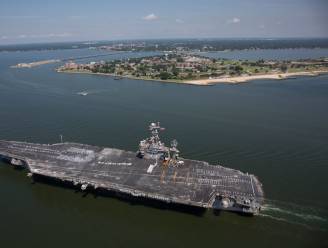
<point>208,82</point>
<point>246,78</point>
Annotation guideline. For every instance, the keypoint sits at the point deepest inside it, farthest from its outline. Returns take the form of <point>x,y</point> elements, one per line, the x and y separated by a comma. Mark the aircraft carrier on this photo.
<point>155,171</point>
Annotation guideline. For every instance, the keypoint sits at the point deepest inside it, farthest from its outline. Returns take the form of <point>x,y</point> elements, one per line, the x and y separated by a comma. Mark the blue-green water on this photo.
<point>277,130</point>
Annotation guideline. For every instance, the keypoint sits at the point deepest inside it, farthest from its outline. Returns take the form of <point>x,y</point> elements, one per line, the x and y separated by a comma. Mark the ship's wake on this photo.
<point>95,91</point>
<point>308,217</point>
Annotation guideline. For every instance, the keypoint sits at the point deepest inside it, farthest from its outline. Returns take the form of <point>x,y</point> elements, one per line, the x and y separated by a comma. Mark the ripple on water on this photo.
<point>309,217</point>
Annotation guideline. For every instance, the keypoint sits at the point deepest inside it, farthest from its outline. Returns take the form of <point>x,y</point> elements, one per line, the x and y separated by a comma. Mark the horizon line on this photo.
<point>177,38</point>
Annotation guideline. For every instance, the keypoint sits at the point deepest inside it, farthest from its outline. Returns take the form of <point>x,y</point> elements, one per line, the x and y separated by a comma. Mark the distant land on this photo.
<point>181,60</point>
<point>202,45</point>
<point>188,68</point>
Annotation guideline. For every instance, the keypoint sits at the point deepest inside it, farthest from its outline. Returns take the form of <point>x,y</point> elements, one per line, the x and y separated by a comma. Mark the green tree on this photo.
<point>175,71</point>
<point>283,67</point>
<point>164,75</point>
<point>238,69</point>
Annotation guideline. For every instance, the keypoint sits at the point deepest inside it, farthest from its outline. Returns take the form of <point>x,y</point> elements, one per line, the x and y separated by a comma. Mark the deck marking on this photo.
<point>150,168</point>
<point>252,185</point>
<point>187,179</point>
<point>175,175</point>
<point>163,175</point>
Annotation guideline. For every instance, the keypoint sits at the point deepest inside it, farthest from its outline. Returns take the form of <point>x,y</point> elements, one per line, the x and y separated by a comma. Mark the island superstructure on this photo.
<point>155,171</point>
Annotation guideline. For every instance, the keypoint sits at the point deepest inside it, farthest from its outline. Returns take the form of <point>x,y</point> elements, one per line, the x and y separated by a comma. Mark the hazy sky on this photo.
<point>29,21</point>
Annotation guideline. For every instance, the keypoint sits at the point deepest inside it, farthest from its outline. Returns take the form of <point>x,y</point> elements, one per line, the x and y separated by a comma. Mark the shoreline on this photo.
<point>123,76</point>
<point>247,78</point>
<point>213,81</point>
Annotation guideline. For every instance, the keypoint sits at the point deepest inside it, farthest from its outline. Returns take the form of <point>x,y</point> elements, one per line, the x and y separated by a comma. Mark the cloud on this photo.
<point>233,20</point>
<point>76,17</point>
<point>20,17</point>
<point>179,21</point>
<point>51,35</point>
<point>59,35</point>
<point>150,17</point>
<point>262,26</point>
<point>3,37</point>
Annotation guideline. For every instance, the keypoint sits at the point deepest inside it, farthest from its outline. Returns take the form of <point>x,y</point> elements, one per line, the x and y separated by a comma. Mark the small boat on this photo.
<point>82,93</point>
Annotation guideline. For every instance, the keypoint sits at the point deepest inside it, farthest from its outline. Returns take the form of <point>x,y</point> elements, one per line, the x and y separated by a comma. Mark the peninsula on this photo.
<point>35,63</point>
<point>194,69</point>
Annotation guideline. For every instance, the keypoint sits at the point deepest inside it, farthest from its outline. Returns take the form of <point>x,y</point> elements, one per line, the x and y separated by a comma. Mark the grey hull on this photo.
<point>193,183</point>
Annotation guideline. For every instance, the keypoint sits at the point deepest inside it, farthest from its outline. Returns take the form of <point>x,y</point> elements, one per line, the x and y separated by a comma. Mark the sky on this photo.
<point>34,21</point>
